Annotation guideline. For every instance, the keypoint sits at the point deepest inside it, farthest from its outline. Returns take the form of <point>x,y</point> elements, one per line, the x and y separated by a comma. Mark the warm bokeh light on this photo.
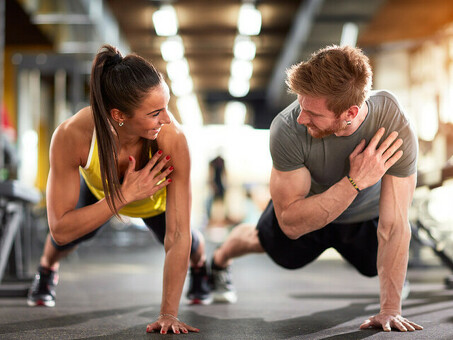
<point>165,21</point>
<point>172,49</point>
<point>238,87</point>
<point>235,113</point>
<point>178,69</point>
<point>249,21</point>
<point>244,48</point>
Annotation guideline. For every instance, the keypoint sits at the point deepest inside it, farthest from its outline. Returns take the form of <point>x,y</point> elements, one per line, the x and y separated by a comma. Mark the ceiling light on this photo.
<point>165,21</point>
<point>78,47</point>
<point>241,69</point>
<point>349,34</point>
<point>249,22</point>
<point>189,110</point>
<point>172,49</point>
<point>238,87</point>
<point>235,113</point>
<point>244,48</point>
<point>178,69</point>
<point>182,87</point>
<point>61,18</point>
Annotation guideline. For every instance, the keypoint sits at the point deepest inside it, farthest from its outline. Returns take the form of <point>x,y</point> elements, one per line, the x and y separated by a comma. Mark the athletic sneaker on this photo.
<point>221,284</point>
<point>42,291</point>
<point>199,290</point>
<point>406,290</point>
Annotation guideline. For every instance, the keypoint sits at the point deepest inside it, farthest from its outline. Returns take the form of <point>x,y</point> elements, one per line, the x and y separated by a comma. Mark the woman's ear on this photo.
<point>117,116</point>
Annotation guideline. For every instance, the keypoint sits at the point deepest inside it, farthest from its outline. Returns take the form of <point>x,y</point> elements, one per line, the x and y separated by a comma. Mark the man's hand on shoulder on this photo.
<point>368,164</point>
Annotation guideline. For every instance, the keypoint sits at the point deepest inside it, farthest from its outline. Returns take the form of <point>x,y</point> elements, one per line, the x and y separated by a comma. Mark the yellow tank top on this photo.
<point>147,207</point>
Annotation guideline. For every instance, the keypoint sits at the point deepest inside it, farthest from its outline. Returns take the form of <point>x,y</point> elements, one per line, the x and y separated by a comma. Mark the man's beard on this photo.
<point>318,133</point>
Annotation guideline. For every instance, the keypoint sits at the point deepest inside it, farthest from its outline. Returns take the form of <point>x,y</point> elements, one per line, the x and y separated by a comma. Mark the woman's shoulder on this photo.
<point>73,136</point>
<point>78,125</point>
<point>172,135</point>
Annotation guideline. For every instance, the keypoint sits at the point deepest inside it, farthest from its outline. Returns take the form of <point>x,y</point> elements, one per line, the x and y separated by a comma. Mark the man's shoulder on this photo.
<point>386,107</point>
<point>383,97</point>
<point>287,118</point>
<point>382,93</point>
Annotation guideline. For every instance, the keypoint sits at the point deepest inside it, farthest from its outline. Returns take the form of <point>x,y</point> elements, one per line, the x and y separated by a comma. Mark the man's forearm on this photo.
<point>393,254</point>
<point>308,214</point>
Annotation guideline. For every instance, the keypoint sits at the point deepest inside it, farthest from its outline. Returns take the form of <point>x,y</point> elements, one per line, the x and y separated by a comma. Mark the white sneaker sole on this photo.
<point>41,303</point>
<point>226,297</point>
<point>203,302</point>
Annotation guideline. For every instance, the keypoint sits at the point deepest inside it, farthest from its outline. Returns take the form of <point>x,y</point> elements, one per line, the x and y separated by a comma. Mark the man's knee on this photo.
<point>369,272</point>
<point>247,234</point>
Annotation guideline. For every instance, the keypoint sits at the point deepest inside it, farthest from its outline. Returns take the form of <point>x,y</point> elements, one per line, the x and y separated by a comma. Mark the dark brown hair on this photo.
<point>342,75</point>
<point>117,83</point>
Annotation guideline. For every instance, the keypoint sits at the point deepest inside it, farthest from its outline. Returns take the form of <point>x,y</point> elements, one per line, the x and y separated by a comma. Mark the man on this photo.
<point>340,179</point>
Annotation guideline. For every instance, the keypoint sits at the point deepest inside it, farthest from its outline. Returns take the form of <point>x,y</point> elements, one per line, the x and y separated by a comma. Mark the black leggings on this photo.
<point>156,223</point>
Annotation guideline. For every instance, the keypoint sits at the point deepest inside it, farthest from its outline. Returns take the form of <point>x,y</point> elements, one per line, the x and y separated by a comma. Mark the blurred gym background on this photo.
<point>225,63</point>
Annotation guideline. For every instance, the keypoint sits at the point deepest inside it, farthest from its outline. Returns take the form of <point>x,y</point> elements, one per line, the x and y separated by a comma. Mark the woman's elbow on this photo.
<point>177,238</point>
<point>57,234</point>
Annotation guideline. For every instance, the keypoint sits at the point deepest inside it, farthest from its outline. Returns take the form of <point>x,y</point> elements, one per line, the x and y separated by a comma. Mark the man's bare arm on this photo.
<point>393,236</point>
<point>298,215</point>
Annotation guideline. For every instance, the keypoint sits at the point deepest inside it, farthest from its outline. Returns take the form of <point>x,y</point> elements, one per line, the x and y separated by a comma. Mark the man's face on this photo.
<point>320,122</point>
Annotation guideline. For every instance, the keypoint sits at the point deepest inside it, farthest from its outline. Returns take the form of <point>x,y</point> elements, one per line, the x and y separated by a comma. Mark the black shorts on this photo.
<point>156,223</point>
<point>356,242</point>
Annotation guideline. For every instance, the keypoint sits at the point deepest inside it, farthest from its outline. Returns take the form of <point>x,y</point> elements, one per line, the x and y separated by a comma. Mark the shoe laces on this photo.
<point>197,274</point>
<point>222,277</point>
<point>44,281</point>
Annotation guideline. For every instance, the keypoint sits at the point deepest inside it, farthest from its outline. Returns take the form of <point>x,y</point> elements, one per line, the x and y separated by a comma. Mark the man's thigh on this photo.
<point>358,244</point>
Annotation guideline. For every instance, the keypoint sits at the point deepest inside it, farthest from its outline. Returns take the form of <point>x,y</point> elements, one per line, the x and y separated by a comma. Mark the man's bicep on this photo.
<point>289,186</point>
<point>285,147</point>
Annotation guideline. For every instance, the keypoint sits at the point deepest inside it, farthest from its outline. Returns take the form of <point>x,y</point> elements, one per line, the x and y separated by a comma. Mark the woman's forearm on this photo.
<point>175,271</point>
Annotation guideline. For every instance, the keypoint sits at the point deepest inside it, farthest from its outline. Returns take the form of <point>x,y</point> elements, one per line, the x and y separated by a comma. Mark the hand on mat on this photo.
<point>388,321</point>
<point>166,323</point>
<point>368,163</point>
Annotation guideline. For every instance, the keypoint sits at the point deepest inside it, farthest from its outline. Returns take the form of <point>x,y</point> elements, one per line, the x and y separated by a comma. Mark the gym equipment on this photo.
<point>15,242</point>
<point>433,223</point>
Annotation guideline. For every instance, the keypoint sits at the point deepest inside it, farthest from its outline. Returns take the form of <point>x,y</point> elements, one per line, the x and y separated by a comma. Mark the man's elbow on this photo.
<point>290,232</point>
<point>388,230</point>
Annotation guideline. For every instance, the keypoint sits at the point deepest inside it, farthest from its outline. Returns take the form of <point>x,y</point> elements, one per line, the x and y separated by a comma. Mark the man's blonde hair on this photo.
<point>342,75</point>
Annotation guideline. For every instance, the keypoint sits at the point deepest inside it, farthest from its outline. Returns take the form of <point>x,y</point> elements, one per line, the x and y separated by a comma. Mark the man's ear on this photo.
<point>352,112</point>
<point>117,115</point>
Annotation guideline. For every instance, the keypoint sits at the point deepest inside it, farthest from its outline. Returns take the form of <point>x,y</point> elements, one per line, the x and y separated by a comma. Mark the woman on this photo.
<point>116,144</point>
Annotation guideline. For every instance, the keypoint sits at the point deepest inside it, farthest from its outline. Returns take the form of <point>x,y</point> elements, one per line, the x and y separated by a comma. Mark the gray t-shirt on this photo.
<point>327,159</point>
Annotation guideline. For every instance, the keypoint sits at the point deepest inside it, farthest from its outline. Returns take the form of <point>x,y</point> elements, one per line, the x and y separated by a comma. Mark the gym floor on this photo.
<point>111,288</point>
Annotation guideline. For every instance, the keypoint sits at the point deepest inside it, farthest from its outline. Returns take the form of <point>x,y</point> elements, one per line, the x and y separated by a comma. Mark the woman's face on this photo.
<point>152,114</point>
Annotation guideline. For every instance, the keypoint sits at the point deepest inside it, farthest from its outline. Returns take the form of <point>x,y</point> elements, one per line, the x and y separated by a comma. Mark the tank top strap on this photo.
<point>90,154</point>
